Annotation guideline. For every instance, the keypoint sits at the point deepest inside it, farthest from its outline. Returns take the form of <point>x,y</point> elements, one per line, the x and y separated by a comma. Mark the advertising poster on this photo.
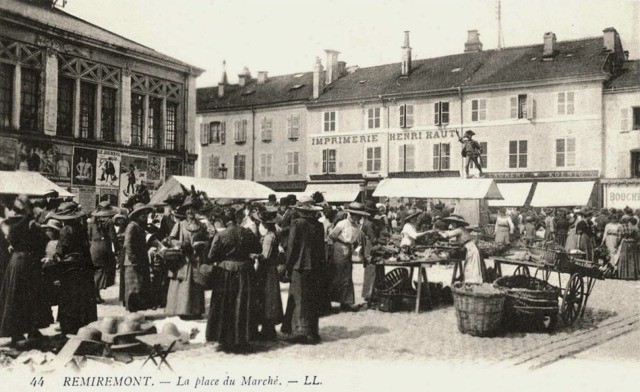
<point>108,194</point>
<point>85,196</point>
<point>62,170</point>
<point>155,173</point>
<point>133,171</point>
<point>108,171</point>
<point>51,160</point>
<point>8,153</point>
<point>84,166</point>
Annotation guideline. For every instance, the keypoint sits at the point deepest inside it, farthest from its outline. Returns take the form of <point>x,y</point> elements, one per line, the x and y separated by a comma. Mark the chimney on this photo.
<point>406,55</point>
<point>473,43</point>
<point>262,77</point>
<point>318,78</point>
<point>223,79</point>
<point>244,77</point>
<point>549,47</point>
<point>342,68</point>
<point>332,73</point>
<point>611,40</point>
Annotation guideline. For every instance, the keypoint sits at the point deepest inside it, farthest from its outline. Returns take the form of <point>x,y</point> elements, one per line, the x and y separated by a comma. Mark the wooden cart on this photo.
<point>575,293</point>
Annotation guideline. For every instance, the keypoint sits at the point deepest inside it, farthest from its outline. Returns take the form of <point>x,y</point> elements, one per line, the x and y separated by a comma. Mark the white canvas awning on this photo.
<point>435,188</point>
<point>28,183</point>
<point>562,194</point>
<point>215,188</point>
<point>514,194</point>
<point>335,193</point>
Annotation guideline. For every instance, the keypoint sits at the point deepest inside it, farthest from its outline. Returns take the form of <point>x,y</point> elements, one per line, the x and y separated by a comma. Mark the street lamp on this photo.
<point>223,171</point>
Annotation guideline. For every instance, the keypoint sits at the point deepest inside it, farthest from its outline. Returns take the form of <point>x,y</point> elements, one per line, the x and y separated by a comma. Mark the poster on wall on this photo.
<point>108,172</point>
<point>8,149</point>
<point>85,196</point>
<point>108,194</point>
<point>84,166</point>
<point>155,173</point>
<point>133,171</point>
<point>62,170</point>
<point>51,160</point>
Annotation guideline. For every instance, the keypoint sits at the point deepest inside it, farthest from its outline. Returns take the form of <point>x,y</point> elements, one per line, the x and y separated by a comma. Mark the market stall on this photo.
<point>514,194</point>
<point>563,194</point>
<point>28,183</point>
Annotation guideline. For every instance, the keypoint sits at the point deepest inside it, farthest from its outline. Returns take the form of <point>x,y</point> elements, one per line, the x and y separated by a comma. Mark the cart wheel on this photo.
<point>573,299</point>
<point>522,270</point>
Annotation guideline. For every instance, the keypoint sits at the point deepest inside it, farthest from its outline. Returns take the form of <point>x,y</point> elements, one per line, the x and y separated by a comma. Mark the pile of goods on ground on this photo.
<point>531,304</point>
<point>396,293</point>
<point>491,249</point>
<point>479,308</point>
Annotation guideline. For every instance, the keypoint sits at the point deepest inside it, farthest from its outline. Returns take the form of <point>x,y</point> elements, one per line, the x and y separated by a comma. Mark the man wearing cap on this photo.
<point>304,258</point>
<point>471,150</point>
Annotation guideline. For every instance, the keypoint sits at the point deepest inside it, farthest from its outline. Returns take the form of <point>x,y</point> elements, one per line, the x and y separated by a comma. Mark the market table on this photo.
<point>421,265</point>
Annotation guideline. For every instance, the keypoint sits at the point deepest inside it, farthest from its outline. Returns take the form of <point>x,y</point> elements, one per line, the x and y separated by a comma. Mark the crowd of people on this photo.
<point>52,253</point>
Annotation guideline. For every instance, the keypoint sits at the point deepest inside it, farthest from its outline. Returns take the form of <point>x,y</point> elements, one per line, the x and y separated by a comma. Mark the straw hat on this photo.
<point>411,214</point>
<point>170,329</point>
<point>88,334</point>
<point>139,208</point>
<point>356,208</point>
<point>52,224</point>
<point>455,219</point>
<point>67,211</point>
<point>104,209</point>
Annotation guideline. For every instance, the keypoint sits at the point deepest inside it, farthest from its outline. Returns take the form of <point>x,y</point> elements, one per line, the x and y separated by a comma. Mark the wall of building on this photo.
<point>620,142</point>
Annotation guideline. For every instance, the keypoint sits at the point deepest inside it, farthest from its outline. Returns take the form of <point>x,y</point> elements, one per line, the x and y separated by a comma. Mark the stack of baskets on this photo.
<point>479,308</point>
<point>531,304</point>
<point>392,290</point>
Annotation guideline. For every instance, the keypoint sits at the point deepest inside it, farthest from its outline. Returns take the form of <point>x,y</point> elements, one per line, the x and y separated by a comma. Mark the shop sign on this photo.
<point>423,135</point>
<point>620,196</point>
<point>332,140</point>
<point>547,174</point>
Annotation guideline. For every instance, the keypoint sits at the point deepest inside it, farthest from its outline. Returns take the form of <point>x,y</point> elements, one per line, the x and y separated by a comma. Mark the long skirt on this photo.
<point>611,242</point>
<point>122,293</point>
<point>77,299</point>
<point>475,270</point>
<point>373,276</point>
<point>22,304</point>
<point>137,287</point>
<point>572,240</point>
<point>585,244</point>
<point>342,283</point>
<point>184,296</point>
<point>502,235</point>
<point>325,275</point>
<point>301,317</point>
<point>628,260</point>
<point>269,301</point>
<point>232,314</point>
<point>561,238</point>
<point>105,264</point>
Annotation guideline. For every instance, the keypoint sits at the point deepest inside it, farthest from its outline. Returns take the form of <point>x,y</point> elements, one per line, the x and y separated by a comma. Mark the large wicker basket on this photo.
<point>478,313</point>
<point>531,303</point>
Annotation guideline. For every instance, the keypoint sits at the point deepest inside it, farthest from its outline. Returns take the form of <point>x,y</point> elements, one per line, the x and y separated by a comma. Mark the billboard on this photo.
<point>84,166</point>
<point>108,173</point>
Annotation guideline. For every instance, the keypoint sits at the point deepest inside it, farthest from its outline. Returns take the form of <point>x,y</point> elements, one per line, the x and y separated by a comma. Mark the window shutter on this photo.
<point>436,113</point>
<point>223,131</point>
<point>514,107</point>
<point>204,134</point>
<point>289,126</point>
<point>624,119</point>
<point>402,115</point>
<point>570,102</point>
<point>530,107</point>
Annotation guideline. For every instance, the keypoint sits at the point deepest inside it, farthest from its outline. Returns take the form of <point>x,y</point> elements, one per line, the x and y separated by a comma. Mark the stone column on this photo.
<point>76,109</point>
<point>17,84</point>
<point>125,108</point>
<point>163,124</point>
<point>145,120</point>
<point>51,93</point>
<point>98,117</point>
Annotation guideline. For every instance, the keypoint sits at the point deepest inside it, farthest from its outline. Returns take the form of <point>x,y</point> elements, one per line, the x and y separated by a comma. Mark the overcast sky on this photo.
<point>285,36</point>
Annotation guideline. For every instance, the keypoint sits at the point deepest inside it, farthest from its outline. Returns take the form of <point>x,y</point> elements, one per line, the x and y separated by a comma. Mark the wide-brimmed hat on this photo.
<point>104,209</point>
<point>267,215</point>
<point>139,208</point>
<point>51,193</point>
<point>174,200</point>
<point>356,208</point>
<point>455,219</point>
<point>122,329</point>
<point>88,334</point>
<point>186,204</point>
<point>67,211</point>
<point>411,214</point>
<point>172,331</point>
<point>469,133</point>
<point>306,203</point>
<point>370,207</point>
<point>52,224</point>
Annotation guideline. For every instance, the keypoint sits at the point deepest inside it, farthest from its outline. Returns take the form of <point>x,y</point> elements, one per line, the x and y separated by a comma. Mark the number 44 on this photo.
<point>37,382</point>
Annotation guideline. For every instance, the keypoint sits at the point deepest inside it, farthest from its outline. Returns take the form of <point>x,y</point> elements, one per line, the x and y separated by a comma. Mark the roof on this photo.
<point>439,188</point>
<point>58,19</point>
<point>28,183</point>
<point>583,57</point>
<point>214,188</point>
<point>629,76</point>
<point>275,90</point>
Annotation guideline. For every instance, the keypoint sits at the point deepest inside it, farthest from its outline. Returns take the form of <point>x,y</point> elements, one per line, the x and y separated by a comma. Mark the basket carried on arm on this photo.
<point>479,308</point>
<point>530,304</point>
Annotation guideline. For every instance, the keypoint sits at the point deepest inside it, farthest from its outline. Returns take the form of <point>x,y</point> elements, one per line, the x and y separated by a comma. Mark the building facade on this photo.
<point>91,110</point>
<point>539,112</point>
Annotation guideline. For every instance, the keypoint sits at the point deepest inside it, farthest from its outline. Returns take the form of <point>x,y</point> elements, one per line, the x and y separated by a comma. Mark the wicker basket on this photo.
<point>390,301</point>
<point>531,304</point>
<point>478,314</point>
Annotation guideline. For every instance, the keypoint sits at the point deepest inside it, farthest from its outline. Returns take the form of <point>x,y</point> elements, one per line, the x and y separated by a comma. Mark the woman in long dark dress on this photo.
<point>23,309</point>
<point>232,315</point>
<point>102,237</point>
<point>137,274</point>
<point>628,258</point>
<point>120,222</point>
<point>269,301</point>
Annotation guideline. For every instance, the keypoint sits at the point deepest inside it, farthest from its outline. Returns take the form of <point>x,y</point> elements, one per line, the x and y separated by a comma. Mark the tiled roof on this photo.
<point>629,76</point>
<point>277,89</point>
<point>517,64</point>
<point>58,19</point>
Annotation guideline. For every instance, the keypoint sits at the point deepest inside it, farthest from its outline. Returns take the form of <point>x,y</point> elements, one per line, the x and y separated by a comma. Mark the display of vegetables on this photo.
<point>491,249</point>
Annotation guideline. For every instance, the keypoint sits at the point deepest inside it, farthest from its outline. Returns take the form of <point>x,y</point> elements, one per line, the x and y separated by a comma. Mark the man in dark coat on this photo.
<point>304,255</point>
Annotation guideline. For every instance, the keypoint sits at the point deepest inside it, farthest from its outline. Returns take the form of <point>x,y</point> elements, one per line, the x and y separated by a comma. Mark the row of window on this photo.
<point>521,107</point>
<point>266,165</point>
<point>635,118</point>
<point>214,132</point>
<point>88,92</point>
<point>565,153</point>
